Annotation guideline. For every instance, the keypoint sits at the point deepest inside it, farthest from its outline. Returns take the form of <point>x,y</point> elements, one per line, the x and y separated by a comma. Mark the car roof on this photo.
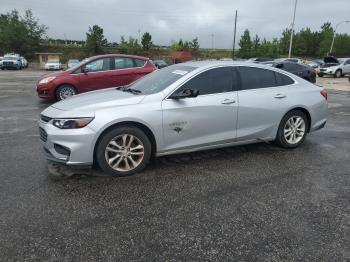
<point>119,55</point>
<point>218,63</point>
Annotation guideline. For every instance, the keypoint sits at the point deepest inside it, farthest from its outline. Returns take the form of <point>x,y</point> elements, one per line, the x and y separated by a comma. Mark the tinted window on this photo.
<point>123,63</point>
<point>218,80</point>
<point>347,62</point>
<point>283,80</point>
<point>252,78</point>
<point>102,64</point>
<point>139,62</point>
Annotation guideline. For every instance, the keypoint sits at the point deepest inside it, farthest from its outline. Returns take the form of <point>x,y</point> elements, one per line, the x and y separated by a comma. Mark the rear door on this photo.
<point>263,99</point>
<point>123,71</point>
<point>96,75</point>
<point>209,118</point>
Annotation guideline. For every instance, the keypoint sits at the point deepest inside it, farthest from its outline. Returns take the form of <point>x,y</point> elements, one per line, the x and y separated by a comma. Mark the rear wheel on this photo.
<point>320,75</point>
<point>123,151</point>
<point>65,91</point>
<point>292,130</point>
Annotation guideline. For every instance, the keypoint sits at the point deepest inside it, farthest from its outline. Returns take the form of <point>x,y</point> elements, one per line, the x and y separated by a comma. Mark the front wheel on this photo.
<point>292,130</point>
<point>123,151</point>
<point>64,92</point>
<point>338,74</point>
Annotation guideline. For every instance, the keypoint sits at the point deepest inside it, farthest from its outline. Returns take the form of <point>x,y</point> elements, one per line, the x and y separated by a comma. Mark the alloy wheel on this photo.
<point>66,92</point>
<point>124,152</point>
<point>294,130</point>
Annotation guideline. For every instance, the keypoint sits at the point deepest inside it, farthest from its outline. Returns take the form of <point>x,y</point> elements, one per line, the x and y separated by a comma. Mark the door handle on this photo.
<point>280,96</point>
<point>228,101</point>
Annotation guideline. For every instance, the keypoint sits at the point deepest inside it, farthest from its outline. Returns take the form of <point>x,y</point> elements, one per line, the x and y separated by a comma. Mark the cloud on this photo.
<point>171,20</point>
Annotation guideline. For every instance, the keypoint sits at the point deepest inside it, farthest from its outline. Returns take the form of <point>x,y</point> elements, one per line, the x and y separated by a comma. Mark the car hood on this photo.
<point>58,73</point>
<point>331,60</point>
<point>96,100</point>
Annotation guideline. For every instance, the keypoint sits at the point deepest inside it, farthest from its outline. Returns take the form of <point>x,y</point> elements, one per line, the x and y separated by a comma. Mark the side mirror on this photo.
<point>185,94</point>
<point>85,70</point>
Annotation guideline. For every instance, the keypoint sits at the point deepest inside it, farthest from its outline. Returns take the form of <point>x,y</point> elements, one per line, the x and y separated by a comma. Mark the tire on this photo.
<point>338,73</point>
<point>123,162</point>
<point>320,75</point>
<point>65,91</point>
<point>286,141</point>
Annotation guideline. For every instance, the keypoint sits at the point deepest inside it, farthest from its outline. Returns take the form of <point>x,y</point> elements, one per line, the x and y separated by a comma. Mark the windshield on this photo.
<point>73,61</point>
<point>160,79</point>
<point>79,64</point>
<point>10,58</point>
<point>53,61</point>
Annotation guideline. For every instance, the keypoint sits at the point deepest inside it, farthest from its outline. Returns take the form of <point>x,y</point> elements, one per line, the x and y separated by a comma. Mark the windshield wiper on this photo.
<point>130,90</point>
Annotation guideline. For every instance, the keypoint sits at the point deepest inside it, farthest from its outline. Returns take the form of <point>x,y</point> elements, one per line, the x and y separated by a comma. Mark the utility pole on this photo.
<point>292,31</point>
<point>334,34</point>
<point>212,42</point>
<point>234,38</point>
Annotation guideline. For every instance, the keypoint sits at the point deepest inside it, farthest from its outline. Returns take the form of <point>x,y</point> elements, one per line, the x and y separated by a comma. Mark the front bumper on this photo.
<point>326,71</point>
<point>67,146</point>
<point>46,91</point>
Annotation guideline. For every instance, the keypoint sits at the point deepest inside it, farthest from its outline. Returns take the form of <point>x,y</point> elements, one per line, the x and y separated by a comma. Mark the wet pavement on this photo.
<point>256,202</point>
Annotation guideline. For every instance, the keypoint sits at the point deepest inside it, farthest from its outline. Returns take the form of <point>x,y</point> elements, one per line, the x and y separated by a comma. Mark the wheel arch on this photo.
<point>306,112</point>
<point>136,124</point>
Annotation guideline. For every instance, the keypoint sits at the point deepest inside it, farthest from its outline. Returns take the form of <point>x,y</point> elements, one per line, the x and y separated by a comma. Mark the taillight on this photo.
<point>324,94</point>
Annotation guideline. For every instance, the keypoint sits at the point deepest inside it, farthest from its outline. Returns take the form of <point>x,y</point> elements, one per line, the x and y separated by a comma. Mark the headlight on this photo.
<point>47,80</point>
<point>72,123</point>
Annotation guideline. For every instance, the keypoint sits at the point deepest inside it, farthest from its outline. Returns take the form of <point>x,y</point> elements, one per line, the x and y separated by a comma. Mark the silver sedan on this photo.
<point>179,109</point>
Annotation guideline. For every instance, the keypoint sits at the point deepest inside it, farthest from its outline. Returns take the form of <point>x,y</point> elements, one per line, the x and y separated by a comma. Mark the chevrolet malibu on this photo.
<point>179,109</point>
<point>95,73</point>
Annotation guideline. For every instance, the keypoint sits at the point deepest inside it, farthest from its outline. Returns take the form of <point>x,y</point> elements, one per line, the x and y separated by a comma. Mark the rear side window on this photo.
<point>218,80</point>
<point>140,62</point>
<point>283,80</point>
<point>123,63</point>
<point>254,78</point>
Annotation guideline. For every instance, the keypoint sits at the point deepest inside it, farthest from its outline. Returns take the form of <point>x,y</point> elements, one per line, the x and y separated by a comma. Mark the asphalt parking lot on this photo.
<point>256,202</point>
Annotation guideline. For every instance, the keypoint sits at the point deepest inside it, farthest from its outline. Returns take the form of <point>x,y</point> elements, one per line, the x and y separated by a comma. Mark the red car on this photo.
<point>95,73</point>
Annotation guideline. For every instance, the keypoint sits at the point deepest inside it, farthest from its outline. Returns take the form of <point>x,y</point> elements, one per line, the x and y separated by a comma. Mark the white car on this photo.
<point>72,62</point>
<point>336,67</point>
<point>53,65</point>
<point>24,62</point>
<point>1,58</point>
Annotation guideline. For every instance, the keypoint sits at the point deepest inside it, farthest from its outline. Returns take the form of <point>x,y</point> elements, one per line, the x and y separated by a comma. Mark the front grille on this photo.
<point>45,118</point>
<point>43,134</point>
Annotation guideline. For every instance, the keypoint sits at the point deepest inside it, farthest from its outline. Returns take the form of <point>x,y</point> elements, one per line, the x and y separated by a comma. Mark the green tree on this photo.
<point>131,46</point>
<point>326,36</point>
<point>245,44</point>
<point>256,46</point>
<point>284,41</point>
<point>146,41</point>
<point>20,34</point>
<point>95,40</point>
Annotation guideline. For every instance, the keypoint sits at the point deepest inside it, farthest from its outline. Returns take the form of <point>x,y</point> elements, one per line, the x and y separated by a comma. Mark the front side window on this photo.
<point>218,80</point>
<point>254,78</point>
<point>123,63</point>
<point>102,64</point>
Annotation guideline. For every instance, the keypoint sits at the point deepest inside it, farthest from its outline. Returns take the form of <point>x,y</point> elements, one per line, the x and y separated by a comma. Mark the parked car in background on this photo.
<point>304,71</point>
<point>95,73</point>
<point>53,65</point>
<point>293,60</point>
<point>72,62</point>
<point>259,59</point>
<point>315,63</point>
<point>160,64</point>
<point>336,67</point>
<point>182,108</point>
<point>1,58</point>
<point>24,62</point>
<point>12,61</point>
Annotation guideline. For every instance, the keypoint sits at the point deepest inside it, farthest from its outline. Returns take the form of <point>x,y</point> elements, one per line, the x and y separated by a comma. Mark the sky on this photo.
<point>186,19</point>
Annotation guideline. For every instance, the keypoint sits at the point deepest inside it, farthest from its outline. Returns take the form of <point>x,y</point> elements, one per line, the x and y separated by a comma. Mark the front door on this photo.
<point>208,119</point>
<point>96,75</point>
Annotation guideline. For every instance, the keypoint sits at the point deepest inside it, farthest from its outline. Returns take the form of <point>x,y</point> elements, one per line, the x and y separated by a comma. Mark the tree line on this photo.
<point>306,43</point>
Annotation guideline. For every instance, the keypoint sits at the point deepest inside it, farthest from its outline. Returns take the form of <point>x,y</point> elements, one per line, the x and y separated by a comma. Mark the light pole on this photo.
<point>292,31</point>
<point>334,34</point>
